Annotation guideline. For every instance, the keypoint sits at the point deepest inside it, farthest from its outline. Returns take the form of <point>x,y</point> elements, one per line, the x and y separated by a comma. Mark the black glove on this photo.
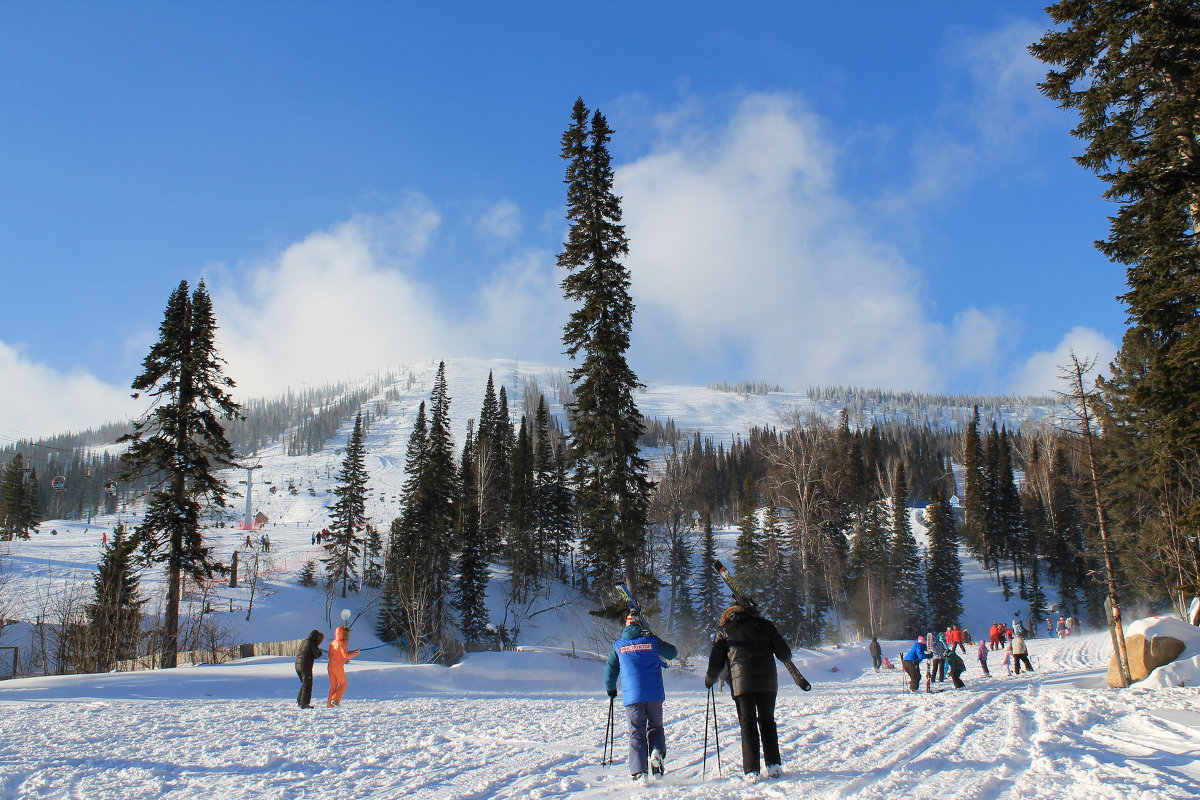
<point>708,684</point>
<point>612,692</point>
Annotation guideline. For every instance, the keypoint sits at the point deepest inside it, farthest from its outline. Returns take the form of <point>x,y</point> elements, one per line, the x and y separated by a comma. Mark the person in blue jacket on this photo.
<point>637,658</point>
<point>911,663</point>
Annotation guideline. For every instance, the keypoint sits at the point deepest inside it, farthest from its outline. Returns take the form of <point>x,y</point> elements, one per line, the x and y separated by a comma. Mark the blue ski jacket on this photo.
<point>638,660</point>
<point>917,653</point>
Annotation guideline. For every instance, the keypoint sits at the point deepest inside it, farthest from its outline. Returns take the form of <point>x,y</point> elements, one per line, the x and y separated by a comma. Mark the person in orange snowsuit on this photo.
<point>339,654</point>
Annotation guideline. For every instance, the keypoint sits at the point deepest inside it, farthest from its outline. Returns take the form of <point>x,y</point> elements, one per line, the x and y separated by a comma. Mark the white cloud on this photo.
<point>975,338</point>
<point>337,304</point>
<point>39,400</point>
<point>982,122</point>
<point>1042,372</point>
<point>746,262</point>
<point>351,301</point>
<point>502,221</point>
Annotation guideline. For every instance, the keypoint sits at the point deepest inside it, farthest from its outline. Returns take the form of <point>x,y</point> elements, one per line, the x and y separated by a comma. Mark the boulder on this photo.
<point>1145,656</point>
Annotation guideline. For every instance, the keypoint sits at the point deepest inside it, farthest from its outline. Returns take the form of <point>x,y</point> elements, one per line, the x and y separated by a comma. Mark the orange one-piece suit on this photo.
<point>339,654</point>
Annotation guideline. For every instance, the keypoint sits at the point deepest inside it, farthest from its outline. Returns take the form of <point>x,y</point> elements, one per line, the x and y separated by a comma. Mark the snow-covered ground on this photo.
<point>530,725</point>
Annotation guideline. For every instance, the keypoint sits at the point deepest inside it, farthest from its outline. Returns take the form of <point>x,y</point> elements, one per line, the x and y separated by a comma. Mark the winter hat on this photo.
<point>631,620</point>
<point>921,639</point>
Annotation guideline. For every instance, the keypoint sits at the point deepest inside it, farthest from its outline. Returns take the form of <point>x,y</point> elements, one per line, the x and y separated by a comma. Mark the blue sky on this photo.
<point>870,193</point>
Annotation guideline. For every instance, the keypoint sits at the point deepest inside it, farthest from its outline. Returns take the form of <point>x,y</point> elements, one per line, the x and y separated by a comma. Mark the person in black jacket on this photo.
<point>310,651</point>
<point>876,653</point>
<point>749,645</point>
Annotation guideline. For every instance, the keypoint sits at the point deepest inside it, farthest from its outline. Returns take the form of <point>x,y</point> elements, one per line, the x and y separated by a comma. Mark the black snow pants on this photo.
<point>913,670</point>
<point>305,696</point>
<point>756,713</point>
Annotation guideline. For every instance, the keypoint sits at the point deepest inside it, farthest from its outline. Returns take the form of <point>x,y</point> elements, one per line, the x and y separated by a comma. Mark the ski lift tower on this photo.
<point>248,521</point>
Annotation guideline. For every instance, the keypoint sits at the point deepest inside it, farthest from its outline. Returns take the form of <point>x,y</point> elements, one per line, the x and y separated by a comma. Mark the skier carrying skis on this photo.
<point>749,644</point>
<point>638,659</point>
<point>911,663</point>
<point>310,651</point>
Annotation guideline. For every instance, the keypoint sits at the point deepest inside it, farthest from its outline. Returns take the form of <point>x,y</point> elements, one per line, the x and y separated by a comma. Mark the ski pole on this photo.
<point>716,731</point>
<point>704,758</point>
<point>609,745</point>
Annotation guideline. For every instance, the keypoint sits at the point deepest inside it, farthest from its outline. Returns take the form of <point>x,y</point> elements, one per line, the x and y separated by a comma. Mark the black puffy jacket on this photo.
<point>309,652</point>
<point>749,645</point>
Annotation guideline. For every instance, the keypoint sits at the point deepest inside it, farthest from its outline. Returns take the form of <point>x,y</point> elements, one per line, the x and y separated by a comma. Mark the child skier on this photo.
<point>982,652</point>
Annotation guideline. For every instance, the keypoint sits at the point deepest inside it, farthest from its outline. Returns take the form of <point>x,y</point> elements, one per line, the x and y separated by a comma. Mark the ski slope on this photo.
<point>530,725</point>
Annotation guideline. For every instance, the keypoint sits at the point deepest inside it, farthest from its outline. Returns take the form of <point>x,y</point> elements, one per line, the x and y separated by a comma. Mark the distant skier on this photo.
<point>911,663</point>
<point>994,635</point>
<point>339,654</point>
<point>749,644</point>
<point>1020,652</point>
<point>637,659</point>
<point>956,667</point>
<point>310,651</point>
<point>938,646</point>
<point>876,653</point>
<point>982,652</point>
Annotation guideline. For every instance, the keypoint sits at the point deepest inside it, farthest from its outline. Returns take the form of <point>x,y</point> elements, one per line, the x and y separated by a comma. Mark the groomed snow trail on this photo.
<point>861,735</point>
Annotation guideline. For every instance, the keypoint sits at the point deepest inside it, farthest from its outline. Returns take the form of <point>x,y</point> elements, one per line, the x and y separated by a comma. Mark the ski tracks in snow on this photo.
<point>1038,737</point>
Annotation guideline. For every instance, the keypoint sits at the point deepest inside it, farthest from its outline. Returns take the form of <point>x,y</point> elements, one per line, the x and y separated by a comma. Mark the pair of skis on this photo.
<point>739,596</point>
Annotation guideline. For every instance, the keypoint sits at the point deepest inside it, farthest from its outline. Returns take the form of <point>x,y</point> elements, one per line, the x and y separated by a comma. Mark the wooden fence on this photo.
<point>216,655</point>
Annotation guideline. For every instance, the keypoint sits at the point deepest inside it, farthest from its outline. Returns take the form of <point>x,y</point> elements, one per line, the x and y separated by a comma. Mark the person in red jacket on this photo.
<point>339,654</point>
<point>994,636</point>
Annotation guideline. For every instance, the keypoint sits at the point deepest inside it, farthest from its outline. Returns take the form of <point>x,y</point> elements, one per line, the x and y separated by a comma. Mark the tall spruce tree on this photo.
<point>403,576</point>
<point>907,585</point>
<point>523,556</point>
<point>470,597</point>
<point>18,515</point>
<point>348,517</point>
<point>179,446</point>
<point>1131,69</point>
<point>974,507</point>
<point>709,601</point>
<point>493,470</point>
<point>945,568</point>
<point>870,575</point>
<point>613,490</point>
<point>114,616</point>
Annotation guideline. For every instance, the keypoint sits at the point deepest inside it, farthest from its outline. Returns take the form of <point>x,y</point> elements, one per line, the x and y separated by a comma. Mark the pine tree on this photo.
<point>114,616</point>
<point>974,507</point>
<point>179,445</point>
<point>613,490</point>
<point>945,568</point>
<point>907,585</point>
<point>709,602</point>
<point>869,569</point>
<point>494,468</point>
<point>1131,68</point>
<point>441,482</point>
<point>17,505</point>
<point>549,554</point>
<point>748,551</point>
<point>470,597</point>
<point>348,517</point>
<point>523,556</point>
<point>560,504</point>
<point>402,571</point>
